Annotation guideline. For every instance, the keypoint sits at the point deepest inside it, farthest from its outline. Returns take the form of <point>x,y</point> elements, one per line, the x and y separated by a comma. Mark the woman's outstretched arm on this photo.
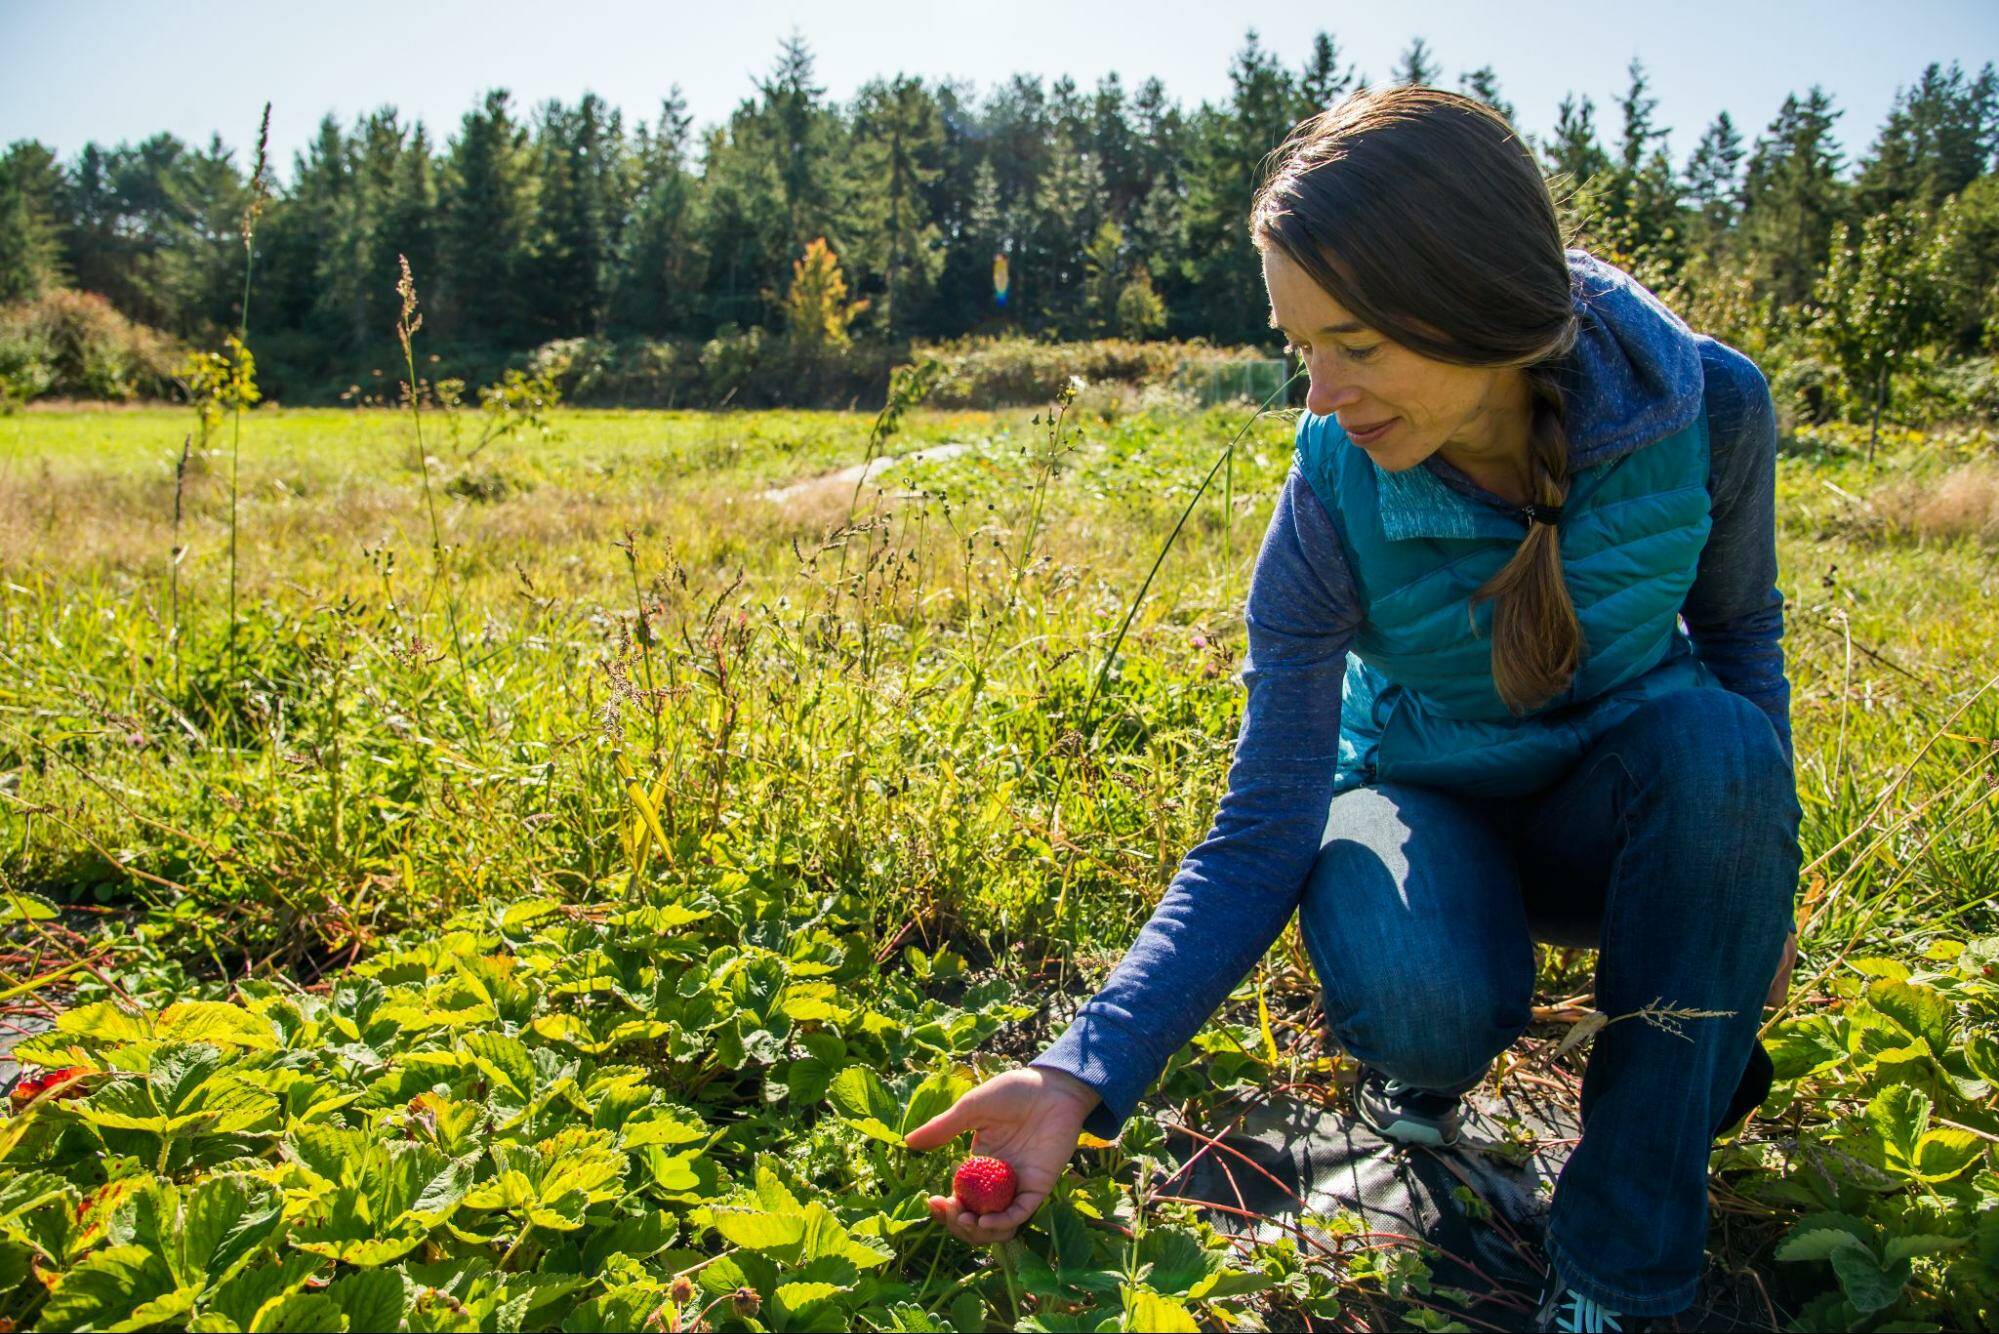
<point>1237,888</point>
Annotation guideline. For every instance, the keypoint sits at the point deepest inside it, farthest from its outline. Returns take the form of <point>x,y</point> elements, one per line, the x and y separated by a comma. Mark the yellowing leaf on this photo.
<point>215,1022</point>
<point>795,1297</point>
<point>1942,1154</point>
<point>754,1230</point>
<point>1150,1311</point>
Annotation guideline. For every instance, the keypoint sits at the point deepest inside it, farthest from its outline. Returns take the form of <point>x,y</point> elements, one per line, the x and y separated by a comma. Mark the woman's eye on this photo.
<point>1361,353</point>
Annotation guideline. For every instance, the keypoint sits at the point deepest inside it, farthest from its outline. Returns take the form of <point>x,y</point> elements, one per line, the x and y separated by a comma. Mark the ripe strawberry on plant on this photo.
<point>984,1185</point>
<point>31,1086</point>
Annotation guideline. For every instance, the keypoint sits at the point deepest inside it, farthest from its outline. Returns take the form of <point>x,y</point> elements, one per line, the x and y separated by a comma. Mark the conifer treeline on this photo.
<point>1116,211</point>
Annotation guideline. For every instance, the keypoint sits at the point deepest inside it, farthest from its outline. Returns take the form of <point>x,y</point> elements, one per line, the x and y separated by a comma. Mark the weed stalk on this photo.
<point>259,191</point>
<point>408,321</point>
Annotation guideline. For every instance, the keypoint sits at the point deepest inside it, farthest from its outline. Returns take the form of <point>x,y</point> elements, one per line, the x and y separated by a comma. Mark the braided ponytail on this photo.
<point>1537,642</point>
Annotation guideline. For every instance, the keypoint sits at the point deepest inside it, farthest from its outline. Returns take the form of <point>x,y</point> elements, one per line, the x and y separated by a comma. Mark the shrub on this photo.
<point>27,364</point>
<point>1015,370</point>
<point>602,372</point>
<point>1964,391</point>
<point>1806,391</point>
<point>729,360</point>
<point>77,344</point>
<point>1139,310</point>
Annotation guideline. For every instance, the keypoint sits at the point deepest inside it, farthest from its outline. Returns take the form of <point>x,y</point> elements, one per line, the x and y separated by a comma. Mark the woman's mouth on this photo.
<point>1373,434</point>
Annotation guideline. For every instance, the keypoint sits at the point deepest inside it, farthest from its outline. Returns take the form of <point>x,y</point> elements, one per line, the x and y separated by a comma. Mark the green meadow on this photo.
<point>548,899</point>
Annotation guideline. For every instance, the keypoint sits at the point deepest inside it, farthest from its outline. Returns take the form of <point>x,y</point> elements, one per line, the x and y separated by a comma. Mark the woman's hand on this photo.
<point>1780,987</point>
<point>1030,1118</point>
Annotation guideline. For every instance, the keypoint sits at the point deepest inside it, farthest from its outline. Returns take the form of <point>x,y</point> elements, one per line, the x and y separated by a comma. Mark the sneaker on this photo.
<point>1563,1308</point>
<point>1395,1111</point>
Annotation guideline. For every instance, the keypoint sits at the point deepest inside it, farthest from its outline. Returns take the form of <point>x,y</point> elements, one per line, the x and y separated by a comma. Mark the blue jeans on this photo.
<point>1672,845</point>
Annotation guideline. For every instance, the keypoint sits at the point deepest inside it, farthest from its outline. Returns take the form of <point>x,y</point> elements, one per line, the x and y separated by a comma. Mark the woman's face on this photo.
<point>1364,380</point>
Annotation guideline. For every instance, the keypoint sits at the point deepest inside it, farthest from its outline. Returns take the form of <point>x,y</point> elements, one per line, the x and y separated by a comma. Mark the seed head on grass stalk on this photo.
<point>253,208</point>
<point>408,321</point>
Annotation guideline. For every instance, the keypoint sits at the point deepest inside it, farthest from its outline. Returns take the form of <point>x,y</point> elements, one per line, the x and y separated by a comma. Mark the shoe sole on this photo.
<point>1419,1133</point>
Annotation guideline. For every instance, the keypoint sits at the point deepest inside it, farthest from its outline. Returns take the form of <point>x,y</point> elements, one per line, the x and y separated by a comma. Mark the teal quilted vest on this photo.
<point>1419,704</point>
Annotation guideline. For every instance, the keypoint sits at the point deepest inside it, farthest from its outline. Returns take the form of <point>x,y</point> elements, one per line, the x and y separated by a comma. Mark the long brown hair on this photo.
<point>1423,213</point>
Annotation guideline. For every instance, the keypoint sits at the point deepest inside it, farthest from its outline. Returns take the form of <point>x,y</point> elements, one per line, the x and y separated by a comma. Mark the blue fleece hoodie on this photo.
<point>1637,374</point>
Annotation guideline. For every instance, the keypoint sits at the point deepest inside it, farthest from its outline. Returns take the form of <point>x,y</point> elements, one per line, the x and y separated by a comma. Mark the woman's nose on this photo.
<point>1324,396</point>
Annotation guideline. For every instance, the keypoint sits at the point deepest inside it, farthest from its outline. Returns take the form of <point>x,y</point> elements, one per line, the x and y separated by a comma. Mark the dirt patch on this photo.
<point>813,495</point>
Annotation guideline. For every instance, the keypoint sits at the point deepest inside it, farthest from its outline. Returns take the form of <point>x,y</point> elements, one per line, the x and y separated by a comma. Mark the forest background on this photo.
<point>796,252</point>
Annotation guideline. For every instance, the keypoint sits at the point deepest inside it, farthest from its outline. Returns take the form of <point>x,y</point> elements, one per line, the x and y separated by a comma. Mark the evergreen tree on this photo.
<point>1792,196</point>
<point>487,203</point>
<point>1635,145</point>
<point>303,226</point>
<point>1574,153</point>
<point>367,264</point>
<point>658,270</point>
<point>1225,159</point>
<point>1155,228</point>
<point>898,138</point>
<point>1323,82</point>
<point>1641,201</point>
<point>1068,210</point>
<point>207,256</point>
<point>1939,137</point>
<point>803,137</point>
<point>1418,65</point>
<point>986,236</point>
<point>775,180</point>
<point>1483,84</point>
<point>1713,183</point>
<point>963,289</point>
<point>408,223</point>
<point>1114,142</point>
<point>142,229</point>
<point>1018,148</point>
<point>30,249</point>
<point>578,208</point>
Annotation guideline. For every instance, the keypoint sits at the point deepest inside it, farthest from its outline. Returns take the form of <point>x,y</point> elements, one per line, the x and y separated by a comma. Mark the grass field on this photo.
<point>558,927</point>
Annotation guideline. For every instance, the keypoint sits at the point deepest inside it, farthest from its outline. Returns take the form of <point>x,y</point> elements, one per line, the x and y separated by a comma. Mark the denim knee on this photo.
<point>1710,757</point>
<point>1428,1040</point>
<point>1412,918</point>
<point>1431,1020</point>
<point>1706,773</point>
<point>1708,743</point>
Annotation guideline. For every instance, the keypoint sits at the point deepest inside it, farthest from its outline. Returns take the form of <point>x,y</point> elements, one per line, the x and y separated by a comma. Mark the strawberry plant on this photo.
<point>683,1109</point>
<point>1899,1196</point>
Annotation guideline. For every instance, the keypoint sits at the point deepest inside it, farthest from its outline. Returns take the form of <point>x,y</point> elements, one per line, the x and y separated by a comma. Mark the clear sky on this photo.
<point>72,71</point>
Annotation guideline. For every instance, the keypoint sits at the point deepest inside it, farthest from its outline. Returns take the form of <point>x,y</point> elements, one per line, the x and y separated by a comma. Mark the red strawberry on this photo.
<point>31,1086</point>
<point>984,1185</point>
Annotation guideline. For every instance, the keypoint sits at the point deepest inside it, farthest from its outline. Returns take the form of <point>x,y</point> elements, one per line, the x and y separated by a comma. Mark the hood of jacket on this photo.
<point>1634,374</point>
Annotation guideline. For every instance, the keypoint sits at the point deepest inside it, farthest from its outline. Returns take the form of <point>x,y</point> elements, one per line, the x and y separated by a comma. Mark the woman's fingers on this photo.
<point>944,1127</point>
<point>959,1223</point>
<point>1022,1209</point>
<point>984,1229</point>
<point>1780,986</point>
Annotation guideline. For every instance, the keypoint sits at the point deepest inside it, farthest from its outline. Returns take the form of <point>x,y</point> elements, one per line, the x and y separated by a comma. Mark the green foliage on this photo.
<point>30,253</point>
<point>218,382</point>
<point>542,1116</point>
<point>77,345</point>
<point>1899,1193</point>
<point>1112,212</point>
<point>1140,312</point>
<point>1885,295</point>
